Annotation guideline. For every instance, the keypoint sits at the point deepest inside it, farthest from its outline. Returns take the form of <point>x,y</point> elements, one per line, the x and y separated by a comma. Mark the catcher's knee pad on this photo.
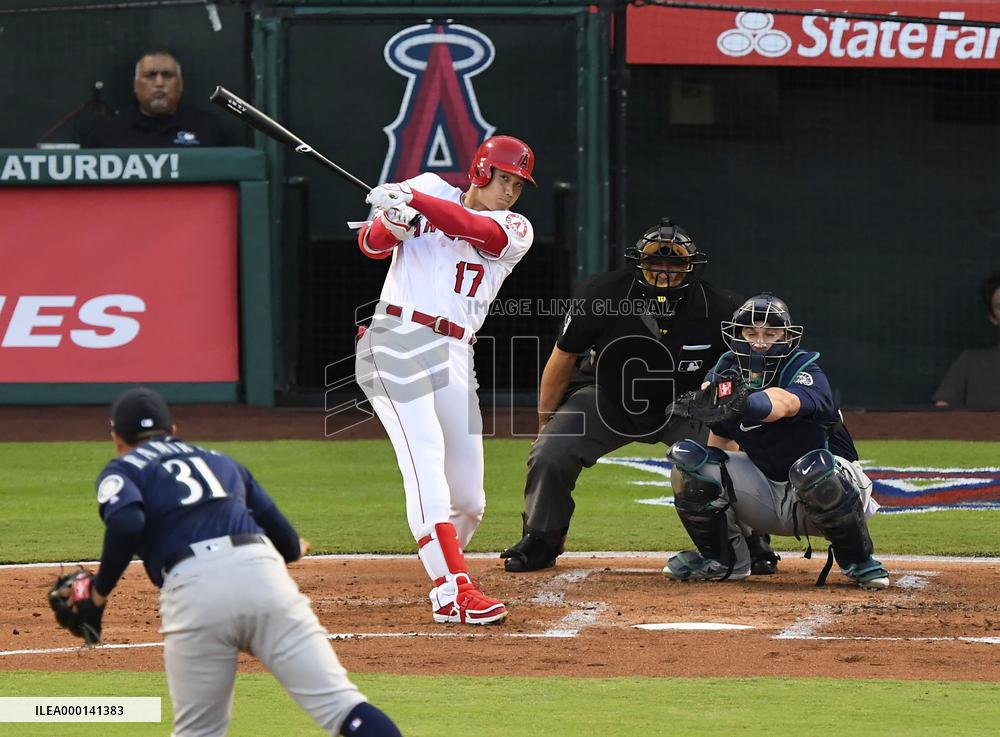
<point>816,482</point>
<point>692,457</point>
<point>699,499</point>
<point>833,502</point>
<point>695,491</point>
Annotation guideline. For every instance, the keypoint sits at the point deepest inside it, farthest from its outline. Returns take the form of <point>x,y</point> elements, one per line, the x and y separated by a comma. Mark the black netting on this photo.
<point>55,53</point>
<point>865,197</point>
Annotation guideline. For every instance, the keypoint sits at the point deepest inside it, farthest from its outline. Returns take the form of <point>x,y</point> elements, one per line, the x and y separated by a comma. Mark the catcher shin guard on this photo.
<point>833,503</point>
<point>703,504</point>
<point>455,597</point>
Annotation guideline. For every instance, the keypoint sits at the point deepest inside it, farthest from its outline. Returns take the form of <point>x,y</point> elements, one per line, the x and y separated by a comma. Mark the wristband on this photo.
<point>758,407</point>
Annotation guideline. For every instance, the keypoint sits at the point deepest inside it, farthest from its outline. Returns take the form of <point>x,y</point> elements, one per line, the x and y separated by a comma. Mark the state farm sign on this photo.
<point>658,35</point>
<point>119,284</point>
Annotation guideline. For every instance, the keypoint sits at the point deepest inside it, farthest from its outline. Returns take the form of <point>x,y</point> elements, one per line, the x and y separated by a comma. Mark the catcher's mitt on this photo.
<point>75,610</point>
<point>723,399</point>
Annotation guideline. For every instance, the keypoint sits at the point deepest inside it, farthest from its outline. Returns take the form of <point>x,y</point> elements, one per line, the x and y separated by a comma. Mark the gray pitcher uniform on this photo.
<point>216,544</point>
<point>793,476</point>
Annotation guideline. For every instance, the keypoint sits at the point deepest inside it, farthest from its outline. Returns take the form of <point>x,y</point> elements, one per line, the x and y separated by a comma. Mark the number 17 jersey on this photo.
<point>446,276</point>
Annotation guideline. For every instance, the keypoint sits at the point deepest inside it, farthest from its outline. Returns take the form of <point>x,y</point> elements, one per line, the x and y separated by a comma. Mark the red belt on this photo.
<point>440,325</point>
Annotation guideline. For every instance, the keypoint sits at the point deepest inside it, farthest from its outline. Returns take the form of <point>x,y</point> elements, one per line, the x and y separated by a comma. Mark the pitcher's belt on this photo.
<point>244,538</point>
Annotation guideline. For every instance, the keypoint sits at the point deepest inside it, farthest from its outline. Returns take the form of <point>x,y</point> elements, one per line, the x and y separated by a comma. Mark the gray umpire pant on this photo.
<point>587,426</point>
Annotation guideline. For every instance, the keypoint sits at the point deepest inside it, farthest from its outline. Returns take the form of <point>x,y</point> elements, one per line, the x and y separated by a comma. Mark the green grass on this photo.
<point>347,497</point>
<point>432,706</point>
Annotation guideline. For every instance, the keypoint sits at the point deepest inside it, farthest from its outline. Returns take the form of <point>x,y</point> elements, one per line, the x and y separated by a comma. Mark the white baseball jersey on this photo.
<point>448,277</point>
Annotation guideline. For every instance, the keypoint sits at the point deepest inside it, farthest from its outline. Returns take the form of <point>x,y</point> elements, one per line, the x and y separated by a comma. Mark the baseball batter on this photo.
<point>451,250</point>
<point>781,463</point>
<point>216,545</point>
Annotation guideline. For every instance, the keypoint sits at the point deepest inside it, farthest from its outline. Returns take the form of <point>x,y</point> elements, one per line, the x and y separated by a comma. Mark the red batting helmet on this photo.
<point>501,152</point>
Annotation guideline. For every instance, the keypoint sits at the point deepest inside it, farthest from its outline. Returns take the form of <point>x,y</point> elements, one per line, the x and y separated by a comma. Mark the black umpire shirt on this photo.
<point>641,355</point>
<point>187,127</point>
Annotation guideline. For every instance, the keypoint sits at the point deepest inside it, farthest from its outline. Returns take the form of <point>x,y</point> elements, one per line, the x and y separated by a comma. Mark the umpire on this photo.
<point>647,331</point>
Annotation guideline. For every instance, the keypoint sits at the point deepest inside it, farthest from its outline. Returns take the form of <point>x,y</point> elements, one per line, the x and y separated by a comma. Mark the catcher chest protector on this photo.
<point>834,504</point>
<point>700,501</point>
<point>506,153</point>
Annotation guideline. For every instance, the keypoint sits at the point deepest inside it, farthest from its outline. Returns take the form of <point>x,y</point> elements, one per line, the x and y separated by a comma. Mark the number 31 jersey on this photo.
<point>187,494</point>
<point>444,276</point>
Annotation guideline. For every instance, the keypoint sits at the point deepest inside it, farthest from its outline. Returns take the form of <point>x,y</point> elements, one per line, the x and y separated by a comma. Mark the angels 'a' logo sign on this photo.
<point>439,125</point>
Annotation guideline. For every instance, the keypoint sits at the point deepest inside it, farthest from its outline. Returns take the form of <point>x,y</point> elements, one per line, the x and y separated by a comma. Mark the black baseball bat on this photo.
<point>271,128</point>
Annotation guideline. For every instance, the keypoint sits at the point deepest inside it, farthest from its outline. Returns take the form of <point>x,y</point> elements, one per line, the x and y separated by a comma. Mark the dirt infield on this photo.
<point>578,620</point>
<point>208,422</point>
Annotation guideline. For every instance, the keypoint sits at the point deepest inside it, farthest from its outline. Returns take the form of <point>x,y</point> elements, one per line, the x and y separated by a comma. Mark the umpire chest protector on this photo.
<point>643,351</point>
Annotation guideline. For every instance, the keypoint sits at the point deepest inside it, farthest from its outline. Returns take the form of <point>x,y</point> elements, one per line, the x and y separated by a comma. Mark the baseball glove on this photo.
<point>723,399</point>
<point>75,610</point>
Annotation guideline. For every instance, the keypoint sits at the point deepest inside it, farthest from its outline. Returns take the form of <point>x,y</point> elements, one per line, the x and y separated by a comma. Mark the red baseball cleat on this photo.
<point>467,604</point>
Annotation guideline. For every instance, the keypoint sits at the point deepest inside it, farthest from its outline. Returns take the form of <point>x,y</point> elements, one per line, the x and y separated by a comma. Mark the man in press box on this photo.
<point>159,119</point>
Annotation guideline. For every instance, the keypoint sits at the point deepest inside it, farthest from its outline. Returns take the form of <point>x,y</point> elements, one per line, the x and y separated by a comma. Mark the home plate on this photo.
<point>692,626</point>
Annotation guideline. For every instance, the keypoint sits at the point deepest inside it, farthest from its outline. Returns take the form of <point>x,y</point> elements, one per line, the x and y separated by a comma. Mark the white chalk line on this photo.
<point>637,554</point>
<point>583,613</point>
<point>587,613</point>
<point>822,615</point>
<point>336,636</point>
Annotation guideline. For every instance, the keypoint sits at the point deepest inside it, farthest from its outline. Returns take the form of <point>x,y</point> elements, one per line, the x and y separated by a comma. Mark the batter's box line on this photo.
<point>336,636</point>
<point>570,555</point>
<point>874,638</point>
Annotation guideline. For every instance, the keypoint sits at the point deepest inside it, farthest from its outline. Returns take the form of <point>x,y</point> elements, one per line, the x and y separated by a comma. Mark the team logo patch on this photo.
<point>688,365</point>
<point>804,379</point>
<point>517,224</point>
<point>186,138</point>
<point>725,388</point>
<point>439,126</point>
<point>898,490</point>
<point>110,486</point>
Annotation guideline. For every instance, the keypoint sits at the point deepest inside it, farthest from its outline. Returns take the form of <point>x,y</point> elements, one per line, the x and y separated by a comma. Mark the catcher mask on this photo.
<point>138,411</point>
<point>761,336</point>
<point>666,260</point>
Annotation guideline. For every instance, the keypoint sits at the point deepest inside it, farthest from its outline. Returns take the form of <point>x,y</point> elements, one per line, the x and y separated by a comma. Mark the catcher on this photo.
<point>216,545</point>
<point>779,459</point>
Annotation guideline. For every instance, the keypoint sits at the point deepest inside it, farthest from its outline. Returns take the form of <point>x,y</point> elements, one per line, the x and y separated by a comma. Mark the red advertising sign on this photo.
<point>660,35</point>
<point>119,284</point>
